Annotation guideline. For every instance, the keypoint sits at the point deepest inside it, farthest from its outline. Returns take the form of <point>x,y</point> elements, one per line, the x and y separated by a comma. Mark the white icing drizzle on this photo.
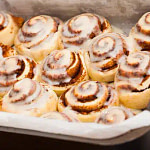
<point>57,65</point>
<point>140,33</point>
<point>27,95</point>
<point>114,115</point>
<point>86,96</point>
<point>81,28</point>
<point>106,49</point>
<point>133,69</point>
<point>37,31</point>
<point>9,68</point>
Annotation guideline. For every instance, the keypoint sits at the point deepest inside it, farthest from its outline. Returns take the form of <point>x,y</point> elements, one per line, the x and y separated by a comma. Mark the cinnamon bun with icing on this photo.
<point>9,26</point>
<point>28,97</point>
<point>39,36</point>
<point>82,28</point>
<point>15,68</point>
<point>6,51</point>
<point>114,115</point>
<point>140,33</point>
<point>88,99</point>
<point>103,54</point>
<point>132,80</point>
<point>62,69</point>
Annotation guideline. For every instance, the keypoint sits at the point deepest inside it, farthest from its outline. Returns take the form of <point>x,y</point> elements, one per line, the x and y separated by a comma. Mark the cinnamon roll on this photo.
<point>114,115</point>
<point>28,97</point>
<point>82,28</point>
<point>87,99</point>
<point>133,80</point>
<point>9,26</point>
<point>6,51</point>
<point>39,36</point>
<point>59,116</point>
<point>15,68</point>
<point>103,54</point>
<point>140,33</point>
<point>63,69</point>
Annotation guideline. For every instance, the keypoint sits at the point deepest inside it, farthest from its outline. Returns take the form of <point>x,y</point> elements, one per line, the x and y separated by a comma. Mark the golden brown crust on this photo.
<point>132,80</point>
<point>103,55</point>
<point>39,36</point>
<point>29,97</point>
<point>140,33</point>
<point>7,50</point>
<point>87,99</point>
<point>15,68</point>
<point>18,20</point>
<point>114,115</point>
<point>63,69</point>
<point>75,36</point>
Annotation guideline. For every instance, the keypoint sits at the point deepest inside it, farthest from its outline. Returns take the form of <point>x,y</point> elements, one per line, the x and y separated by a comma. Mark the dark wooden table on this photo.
<point>11,141</point>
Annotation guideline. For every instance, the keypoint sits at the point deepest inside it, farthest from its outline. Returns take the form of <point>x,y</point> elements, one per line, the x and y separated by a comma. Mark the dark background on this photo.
<point>11,141</point>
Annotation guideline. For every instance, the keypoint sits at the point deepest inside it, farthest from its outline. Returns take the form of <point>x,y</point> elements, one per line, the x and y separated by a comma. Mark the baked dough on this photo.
<point>88,99</point>
<point>62,69</point>
<point>15,68</point>
<point>114,115</point>
<point>132,80</point>
<point>80,29</point>
<point>103,55</point>
<point>28,97</point>
<point>140,33</point>
<point>9,26</point>
<point>38,37</point>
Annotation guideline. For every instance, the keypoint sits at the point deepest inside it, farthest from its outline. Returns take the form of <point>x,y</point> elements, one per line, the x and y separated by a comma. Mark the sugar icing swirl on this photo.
<point>134,72</point>
<point>37,30</point>
<point>62,67</point>
<point>15,68</point>
<point>81,28</point>
<point>24,92</point>
<point>88,96</point>
<point>114,115</point>
<point>106,50</point>
<point>141,33</point>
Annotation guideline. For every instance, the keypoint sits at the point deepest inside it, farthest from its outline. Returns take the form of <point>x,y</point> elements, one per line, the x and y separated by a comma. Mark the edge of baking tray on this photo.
<point>129,136</point>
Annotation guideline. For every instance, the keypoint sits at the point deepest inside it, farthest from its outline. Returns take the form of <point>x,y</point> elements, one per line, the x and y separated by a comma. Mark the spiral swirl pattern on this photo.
<point>141,33</point>
<point>88,96</point>
<point>104,53</point>
<point>81,28</point>
<point>29,97</point>
<point>21,96</point>
<point>38,36</point>
<point>15,68</point>
<point>63,68</point>
<point>133,73</point>
<point>114,115</point>
<point>132,80</point>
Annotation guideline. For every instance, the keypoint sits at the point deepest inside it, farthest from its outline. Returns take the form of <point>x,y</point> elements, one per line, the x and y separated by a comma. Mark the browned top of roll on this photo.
<point>80,28</point>
<point>15,68</point>
<point>106,50</point>
<point>114,115</point>
<point>134,72</point>
<point>88,96</point>
<point>62,68</point>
